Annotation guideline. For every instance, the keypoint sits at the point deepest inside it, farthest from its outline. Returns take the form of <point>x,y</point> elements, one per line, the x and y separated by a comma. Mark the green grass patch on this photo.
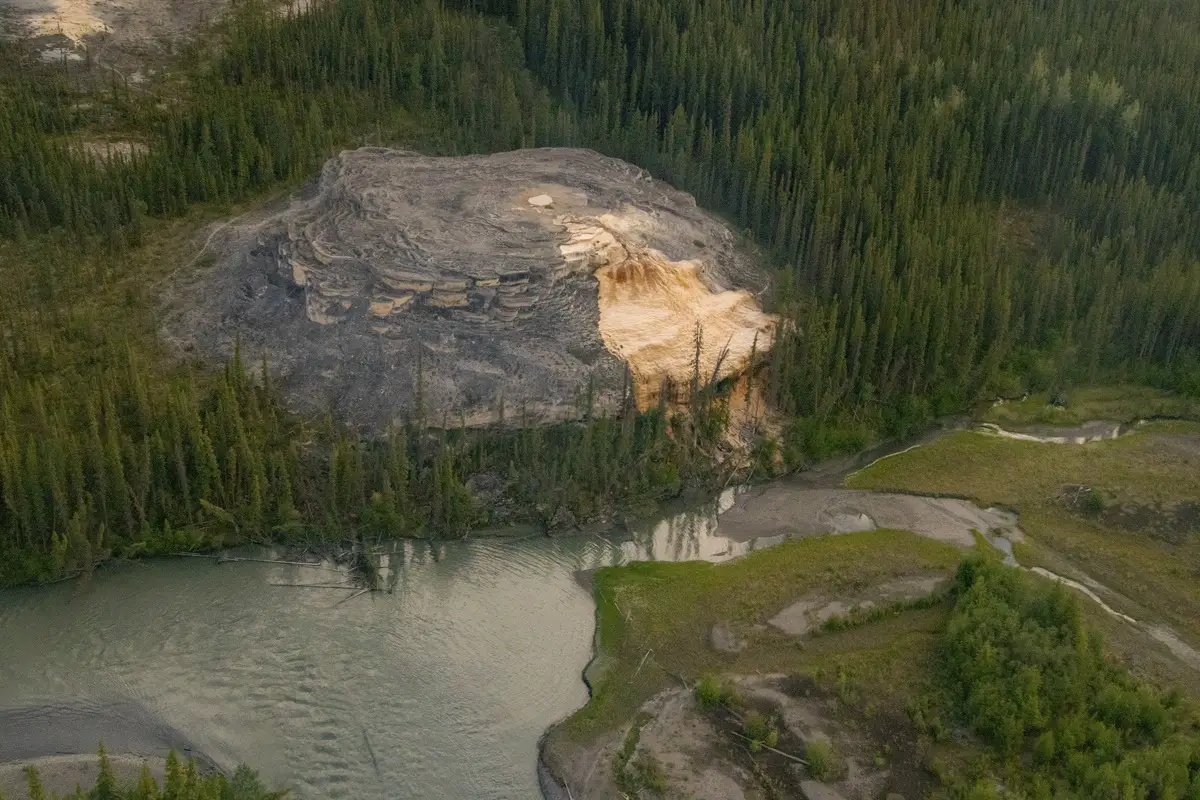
<point>823,761</point>
<point>1155,467</point>
<point>668,610</point>
<point>995,470</point>
<point>1117,403</point>
<point>1159,576</point>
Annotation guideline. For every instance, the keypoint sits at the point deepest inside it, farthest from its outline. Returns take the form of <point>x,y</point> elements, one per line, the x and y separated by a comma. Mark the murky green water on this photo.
<point>439,690</point>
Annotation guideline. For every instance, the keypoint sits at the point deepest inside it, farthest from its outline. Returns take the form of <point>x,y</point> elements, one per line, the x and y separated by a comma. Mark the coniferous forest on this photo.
<point>959,200</point>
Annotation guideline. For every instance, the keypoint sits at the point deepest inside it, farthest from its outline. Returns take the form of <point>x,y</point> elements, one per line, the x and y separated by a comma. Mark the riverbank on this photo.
<point>642,631</point>
<point>60,739</point>
<point>496,506</point>
<point>663,625</point>
<point>257,671</point>
<point>61,775</point>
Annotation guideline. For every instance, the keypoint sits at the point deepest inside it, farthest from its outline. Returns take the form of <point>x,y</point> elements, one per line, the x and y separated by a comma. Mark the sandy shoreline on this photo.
<point>63,773</point>
<point>61,740</point>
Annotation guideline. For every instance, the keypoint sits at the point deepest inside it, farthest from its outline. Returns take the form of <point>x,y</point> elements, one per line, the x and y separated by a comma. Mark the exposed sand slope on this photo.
<point>130,23</point>
<point>652,309</point>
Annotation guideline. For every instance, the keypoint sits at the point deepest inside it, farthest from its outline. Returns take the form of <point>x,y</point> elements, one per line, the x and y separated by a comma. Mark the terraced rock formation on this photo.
<point>473,286</point>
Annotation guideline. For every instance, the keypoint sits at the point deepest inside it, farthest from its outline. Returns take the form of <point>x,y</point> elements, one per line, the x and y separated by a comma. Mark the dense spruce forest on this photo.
<point>960,200</point>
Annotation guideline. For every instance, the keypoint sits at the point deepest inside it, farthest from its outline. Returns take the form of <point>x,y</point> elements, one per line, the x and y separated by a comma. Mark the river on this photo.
<point>440,689</point>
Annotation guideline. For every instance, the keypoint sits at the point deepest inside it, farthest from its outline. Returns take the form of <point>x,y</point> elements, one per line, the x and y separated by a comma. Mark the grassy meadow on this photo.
<point>1121,511</point>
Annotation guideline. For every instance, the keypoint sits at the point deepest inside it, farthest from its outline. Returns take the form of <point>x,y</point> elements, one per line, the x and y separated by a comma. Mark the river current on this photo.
<point>438,690</point>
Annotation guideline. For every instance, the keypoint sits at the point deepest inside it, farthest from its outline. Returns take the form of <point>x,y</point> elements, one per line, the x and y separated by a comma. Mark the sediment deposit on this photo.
<point>463,288</point>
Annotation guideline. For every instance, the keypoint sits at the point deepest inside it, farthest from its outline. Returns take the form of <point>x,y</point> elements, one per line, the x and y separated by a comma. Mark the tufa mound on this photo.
<point>514,280</point>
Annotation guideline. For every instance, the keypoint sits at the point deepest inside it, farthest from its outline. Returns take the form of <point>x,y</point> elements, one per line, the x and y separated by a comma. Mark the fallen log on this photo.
<point>797,759</point>
<point>351,597</point>
<point>314,586</point>
<point>310,564</point>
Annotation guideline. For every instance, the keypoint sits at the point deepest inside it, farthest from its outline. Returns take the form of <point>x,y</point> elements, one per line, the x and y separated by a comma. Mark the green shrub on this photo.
<point>1093,503</point>
<point>1026,674</point>
<point>647,775</point>
<point>836,623</point>
<point>823,760</point>
<point>760,730</point>
<point>709,693</point>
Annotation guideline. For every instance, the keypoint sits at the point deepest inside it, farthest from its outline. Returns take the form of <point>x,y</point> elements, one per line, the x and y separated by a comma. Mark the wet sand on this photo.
<point>77,728</point>
<point>795,511</point>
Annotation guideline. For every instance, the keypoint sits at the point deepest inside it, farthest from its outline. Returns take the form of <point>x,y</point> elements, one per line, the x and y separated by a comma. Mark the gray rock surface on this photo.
<point>467,281</point>
<point>815,790</point>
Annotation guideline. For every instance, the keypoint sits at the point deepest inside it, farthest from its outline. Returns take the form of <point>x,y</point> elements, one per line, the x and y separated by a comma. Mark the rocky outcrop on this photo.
<point>477,286</point>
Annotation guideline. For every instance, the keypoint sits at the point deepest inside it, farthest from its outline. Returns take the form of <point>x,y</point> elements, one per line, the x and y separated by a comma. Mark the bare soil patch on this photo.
<point>1173,522</point>
<point>676,749</point>
<point>812,611</point>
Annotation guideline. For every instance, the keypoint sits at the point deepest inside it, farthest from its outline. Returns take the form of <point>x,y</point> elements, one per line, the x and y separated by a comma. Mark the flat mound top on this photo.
<point>515,279</point>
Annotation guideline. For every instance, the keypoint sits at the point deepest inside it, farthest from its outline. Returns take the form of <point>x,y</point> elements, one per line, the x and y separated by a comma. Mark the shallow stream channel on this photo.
<point>440,688</point>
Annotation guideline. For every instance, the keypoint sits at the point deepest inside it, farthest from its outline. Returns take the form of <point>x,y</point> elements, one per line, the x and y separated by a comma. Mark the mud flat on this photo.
<point>1096,431</point>
<point>794,511</point>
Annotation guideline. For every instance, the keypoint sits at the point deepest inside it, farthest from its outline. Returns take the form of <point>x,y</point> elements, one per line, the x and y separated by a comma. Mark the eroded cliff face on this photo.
<point>464,286</point>
<point>127,25</point>
<point>660,316</point>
